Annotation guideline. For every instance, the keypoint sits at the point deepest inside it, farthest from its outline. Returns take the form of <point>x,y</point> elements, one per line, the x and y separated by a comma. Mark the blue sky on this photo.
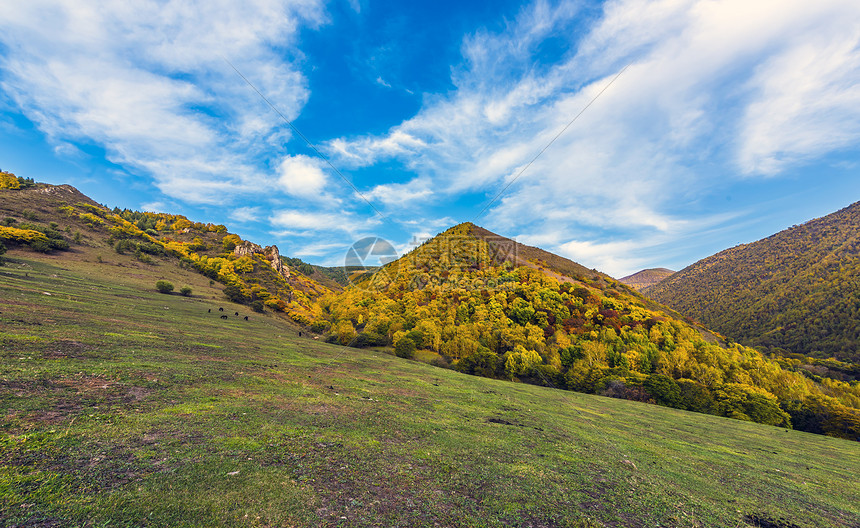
<point>731,120</point>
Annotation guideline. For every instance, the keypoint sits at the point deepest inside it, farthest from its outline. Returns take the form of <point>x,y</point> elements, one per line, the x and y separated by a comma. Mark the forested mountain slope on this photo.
<point>486,305</point>
<point>796,291</point>
<point>58,218</point>
<point>649,277</point>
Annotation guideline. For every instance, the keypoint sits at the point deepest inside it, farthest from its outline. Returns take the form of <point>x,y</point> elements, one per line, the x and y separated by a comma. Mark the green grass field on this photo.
<point>120,406</point>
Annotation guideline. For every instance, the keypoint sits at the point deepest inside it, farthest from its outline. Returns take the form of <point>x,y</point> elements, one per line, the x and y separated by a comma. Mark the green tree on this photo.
<point>234,293</point>
<point>163,286</point>
<point>521,362</point>
<point>257,306</point>
<point>664,390</point>
<point>185,290</point>
<point>405,348</point>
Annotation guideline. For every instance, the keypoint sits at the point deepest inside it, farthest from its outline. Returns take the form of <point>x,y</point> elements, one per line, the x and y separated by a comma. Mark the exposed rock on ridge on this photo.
<point>270,253</point>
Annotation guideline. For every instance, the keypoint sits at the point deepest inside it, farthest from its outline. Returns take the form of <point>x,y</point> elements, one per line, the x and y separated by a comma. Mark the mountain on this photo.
<point>483,304</point>
<point>467,299</point>
<point>795,292</point>
<point>59,219</point>
<point>645,278</point>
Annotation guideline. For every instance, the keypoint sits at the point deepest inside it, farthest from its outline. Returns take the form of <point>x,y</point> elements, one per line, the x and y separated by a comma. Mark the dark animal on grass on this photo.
<point>223,317</point>
<point>237,314</point>
<point>300,334</point>
<point>220,309</point>
<point>210,310</point>
<point>246,317</point>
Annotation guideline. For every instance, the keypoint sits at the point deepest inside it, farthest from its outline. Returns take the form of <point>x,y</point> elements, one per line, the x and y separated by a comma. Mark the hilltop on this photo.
<point>483,304</point>
<point>794,292</point>
<point>645,278</point>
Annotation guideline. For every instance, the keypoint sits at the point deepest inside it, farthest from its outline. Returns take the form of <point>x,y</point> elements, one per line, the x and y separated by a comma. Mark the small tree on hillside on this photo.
<point>163,286</point>
<point>185,291</point>
<point>405,348</point>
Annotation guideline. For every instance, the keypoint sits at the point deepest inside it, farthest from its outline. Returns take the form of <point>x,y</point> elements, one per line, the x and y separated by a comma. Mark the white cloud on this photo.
<point>132,76</point>
<point>309,223</point>
<point>301,175</point>
<point>399,194</point>
<point>247,214</point>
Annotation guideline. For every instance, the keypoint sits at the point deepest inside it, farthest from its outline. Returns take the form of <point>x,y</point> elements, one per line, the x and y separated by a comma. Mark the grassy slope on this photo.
<point>120,406</point>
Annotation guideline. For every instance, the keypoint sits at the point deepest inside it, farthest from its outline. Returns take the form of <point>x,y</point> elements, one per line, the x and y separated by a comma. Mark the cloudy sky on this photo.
<point>702,124</point>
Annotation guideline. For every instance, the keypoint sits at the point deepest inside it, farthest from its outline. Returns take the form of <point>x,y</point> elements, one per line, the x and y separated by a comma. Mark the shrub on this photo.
<point>185,290</point>
<point>2,250</point>
<point>405,348</point>
<point>664,390</point>
<point>319,327</point>
<point>482,362</point>
<point>163,286</point>
<point>234,293</point>
<point>42,246</point>
<point>257,306</point>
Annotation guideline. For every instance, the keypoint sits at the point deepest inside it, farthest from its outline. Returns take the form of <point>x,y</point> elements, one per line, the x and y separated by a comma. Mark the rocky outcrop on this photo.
<point>247,249</point>
<point>270,253</point>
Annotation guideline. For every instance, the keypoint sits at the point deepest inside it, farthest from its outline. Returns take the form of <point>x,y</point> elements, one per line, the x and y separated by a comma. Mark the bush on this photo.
<point>185,290</point>
<point>482,362</point>
<point>2,250</point>
<point>163,286</point>
<point>405,348</point>
<point>257,306</point>
<point>319,327</point>
<point>664,390</point>
<point>42,246</point>
<point>234,293</point>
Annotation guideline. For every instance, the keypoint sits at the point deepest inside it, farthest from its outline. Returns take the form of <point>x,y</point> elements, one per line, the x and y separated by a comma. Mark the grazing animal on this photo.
<point>300,334</point>
<point>210,310</point>
<point>220,309</point>
<point>237,314</point>
<point>223,317</point>
<point>246,317</point>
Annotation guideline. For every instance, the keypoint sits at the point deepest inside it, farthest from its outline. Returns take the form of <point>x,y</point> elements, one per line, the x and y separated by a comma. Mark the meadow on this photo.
<point>122,406</point>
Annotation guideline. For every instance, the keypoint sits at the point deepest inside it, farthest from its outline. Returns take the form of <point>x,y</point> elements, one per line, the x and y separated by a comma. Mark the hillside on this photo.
<point>61,220</point>
<point>645,278</point>
<point>482,304</point>
<point>122,406</point>
<point>793,292</point>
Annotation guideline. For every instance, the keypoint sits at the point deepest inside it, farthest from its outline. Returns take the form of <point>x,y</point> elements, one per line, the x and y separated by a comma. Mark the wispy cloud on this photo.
<point>147,83</point>
<point>750,88</point>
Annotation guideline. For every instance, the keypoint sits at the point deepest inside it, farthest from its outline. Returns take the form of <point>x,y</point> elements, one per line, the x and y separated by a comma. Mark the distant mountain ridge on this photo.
<point>645,278</point>
<point>797,291</point>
